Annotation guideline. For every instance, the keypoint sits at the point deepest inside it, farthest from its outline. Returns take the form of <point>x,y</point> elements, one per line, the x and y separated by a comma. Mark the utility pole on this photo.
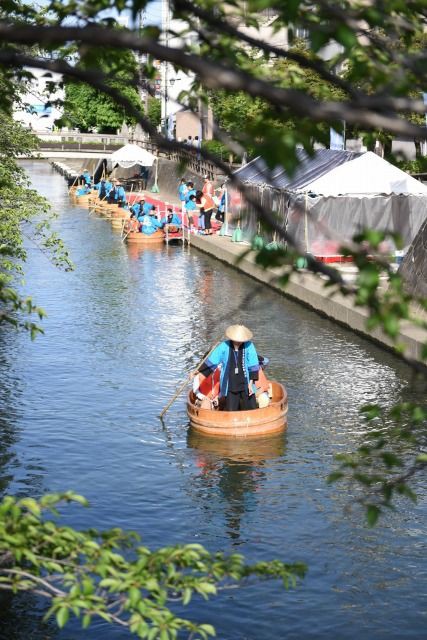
<point>165,65</point>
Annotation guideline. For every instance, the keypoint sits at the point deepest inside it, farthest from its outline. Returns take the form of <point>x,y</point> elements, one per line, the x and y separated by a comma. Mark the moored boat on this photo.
<point>241,424</point>
<point>136,237</point>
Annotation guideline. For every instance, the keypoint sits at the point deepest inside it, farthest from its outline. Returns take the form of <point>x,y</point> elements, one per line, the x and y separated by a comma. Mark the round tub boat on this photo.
<point>241,424</point>
<point>136,237</point>
<point>118,221</point>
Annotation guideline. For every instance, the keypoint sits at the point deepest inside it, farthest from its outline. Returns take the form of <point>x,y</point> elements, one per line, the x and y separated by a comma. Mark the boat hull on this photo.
<point>136,237</point>
<point>241,424</point>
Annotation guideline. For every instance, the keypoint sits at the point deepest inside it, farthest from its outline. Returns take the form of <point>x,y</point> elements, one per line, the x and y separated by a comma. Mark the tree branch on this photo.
<point>221,26</point>
<point>214,75</point>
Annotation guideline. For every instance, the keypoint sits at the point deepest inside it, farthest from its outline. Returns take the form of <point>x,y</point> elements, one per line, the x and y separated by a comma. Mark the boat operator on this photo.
<point>239,364</point>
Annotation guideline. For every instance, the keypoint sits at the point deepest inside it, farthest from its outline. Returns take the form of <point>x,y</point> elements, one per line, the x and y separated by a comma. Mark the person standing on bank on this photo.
<point>206,205</point>
<point>182,193</point>
<point>239,363</point>
<point>207,188</point>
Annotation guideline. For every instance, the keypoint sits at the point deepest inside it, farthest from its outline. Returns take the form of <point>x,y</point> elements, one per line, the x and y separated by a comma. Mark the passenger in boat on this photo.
<point>120,195</point>
<point>240,367</point>
<point>171,219</point>
<point>112,194</point>
<point>149,224</point>
<point>131,225</point>
<point>86,178</point>
<point>103,187</point>
<point>136,208</point>
<point>147,208</point>
<point>83,190</point>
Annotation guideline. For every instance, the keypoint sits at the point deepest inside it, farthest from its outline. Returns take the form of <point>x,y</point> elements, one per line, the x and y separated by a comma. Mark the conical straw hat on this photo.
<point>238,333</point>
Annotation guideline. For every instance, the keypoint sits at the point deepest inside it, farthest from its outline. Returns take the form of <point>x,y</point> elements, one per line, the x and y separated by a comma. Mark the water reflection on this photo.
<point>230,475</point>
<point>135,251</point>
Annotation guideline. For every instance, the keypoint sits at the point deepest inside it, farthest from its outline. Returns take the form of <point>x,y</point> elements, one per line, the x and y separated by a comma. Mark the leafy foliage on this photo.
<point>90,110</point>
<point>23,212</point>
<point>154,111</point>
<point>110,575</point>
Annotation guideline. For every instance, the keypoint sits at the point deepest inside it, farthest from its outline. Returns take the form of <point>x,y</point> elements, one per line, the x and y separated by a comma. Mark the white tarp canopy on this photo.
<point>369,174</point>
<point>130,155</point>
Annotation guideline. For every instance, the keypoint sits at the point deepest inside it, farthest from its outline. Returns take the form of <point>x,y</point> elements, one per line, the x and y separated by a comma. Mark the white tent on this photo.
<point>366,175</point>
<point>130,155</point>
<point>331,197</point>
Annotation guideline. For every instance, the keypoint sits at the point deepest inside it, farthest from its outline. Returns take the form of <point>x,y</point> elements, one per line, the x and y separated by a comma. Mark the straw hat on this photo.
<point>238,333</point>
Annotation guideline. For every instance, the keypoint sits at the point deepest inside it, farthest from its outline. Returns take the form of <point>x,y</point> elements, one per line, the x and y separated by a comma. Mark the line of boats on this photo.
<point>211,423</point>
<point>120,219</point>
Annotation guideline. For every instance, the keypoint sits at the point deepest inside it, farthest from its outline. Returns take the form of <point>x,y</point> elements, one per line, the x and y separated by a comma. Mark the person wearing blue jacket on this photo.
<point>191,208</point>
<point>171,218</point>
<point>120,195</point>
<point>84,190</point>
<point>136,208</point>
<point>182,193</point>
<point>86,177</point>
<point>149,224</point>
<point>101,187</point>
<point>147,208</point>
<point>191,191</point>
<point>239,364</point>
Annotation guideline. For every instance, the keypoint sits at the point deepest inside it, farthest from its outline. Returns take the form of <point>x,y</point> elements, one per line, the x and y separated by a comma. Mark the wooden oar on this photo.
<point>187,380</point>
<point>124,237</point>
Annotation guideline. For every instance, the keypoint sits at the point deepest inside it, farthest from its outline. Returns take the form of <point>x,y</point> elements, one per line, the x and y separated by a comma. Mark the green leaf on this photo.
<point>372,514</point>
<point>62,616</point>
<point>87,618</point>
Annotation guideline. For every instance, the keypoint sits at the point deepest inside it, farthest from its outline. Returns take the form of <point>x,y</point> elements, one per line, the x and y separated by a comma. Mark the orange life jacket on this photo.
<point>209,203</point>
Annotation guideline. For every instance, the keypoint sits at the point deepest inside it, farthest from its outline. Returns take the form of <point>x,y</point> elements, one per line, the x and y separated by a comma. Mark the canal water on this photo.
<point>79,410</point>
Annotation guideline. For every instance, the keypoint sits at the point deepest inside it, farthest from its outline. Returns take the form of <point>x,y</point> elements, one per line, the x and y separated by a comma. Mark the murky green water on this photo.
<point>79,410</point>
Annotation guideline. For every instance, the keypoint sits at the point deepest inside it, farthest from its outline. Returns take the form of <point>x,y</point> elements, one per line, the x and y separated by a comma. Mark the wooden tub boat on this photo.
<point>118,222</point>
<point>84,201</point>
<point>241,424</point>
<point>136,237</point>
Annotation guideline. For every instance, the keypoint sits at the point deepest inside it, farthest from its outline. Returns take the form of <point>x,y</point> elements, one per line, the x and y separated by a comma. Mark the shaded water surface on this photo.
<point>79,410</point>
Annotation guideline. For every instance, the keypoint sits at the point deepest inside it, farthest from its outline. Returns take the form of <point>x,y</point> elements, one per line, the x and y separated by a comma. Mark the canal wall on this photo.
<point>309,290</point>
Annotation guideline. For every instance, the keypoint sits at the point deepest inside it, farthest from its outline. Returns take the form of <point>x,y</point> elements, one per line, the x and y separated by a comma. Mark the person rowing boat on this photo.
<point>238,361</point>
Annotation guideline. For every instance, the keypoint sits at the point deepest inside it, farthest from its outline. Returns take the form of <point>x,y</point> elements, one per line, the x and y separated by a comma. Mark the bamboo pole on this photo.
<point>187,381</point>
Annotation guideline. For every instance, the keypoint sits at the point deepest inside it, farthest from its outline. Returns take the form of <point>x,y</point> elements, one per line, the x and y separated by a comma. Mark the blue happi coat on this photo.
<point>149,224</point>
<point>190,192</point>
<point>147,207</point>
<point>174,220</point>
<point>120,194</point>
<point>136,208</point>
<point>221,356</point>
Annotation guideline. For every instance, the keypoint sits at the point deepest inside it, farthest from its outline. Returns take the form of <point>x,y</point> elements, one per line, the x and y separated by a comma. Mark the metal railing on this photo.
<point>106,142</point>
